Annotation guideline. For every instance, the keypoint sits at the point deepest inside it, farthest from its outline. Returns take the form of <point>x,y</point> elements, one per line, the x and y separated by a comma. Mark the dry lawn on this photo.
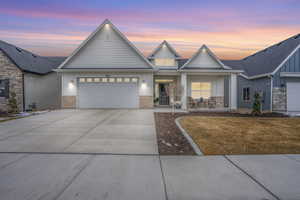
<point>244,135</point>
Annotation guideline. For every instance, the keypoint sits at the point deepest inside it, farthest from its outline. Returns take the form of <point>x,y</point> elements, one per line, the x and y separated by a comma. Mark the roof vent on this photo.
<point>279,44</point>
<point>18,49</point>
<point>297,36</point>
<point>33,55</point>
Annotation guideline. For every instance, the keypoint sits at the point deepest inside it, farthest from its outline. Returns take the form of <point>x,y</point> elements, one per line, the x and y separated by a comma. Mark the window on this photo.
<point>134,80</point>
<point>89,80</point>
<point>201,90</point>
<point>119,80</point>
<point>111,80</point>
<point>246,94</point>
<point>4,88</point>
<point>104,80</point>
<point>164,62</point>
<point>82,80</point>
<point>96,79</point>
<point>126,80</point>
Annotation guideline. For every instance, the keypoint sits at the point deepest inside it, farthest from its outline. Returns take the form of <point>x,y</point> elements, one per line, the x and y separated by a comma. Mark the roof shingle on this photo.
<point>28,61</point>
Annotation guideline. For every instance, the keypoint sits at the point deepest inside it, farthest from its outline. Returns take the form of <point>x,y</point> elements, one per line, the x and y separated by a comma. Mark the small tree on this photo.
<point>12,103</point>
<point>256,109</point>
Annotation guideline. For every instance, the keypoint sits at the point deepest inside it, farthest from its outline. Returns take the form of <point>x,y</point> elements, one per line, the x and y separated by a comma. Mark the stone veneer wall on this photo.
<point>146,102</point>
<point>68,102</point>
<point>212,102</point>
<point>279,99</point>
<point>217,102</point>
<point>8,70</point>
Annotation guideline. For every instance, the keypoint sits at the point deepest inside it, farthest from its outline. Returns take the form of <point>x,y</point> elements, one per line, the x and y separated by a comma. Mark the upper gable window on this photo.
<point>164,62</point>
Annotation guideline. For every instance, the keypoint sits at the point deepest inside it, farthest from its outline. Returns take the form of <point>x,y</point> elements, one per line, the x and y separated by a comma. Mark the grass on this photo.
<point>244,135</point>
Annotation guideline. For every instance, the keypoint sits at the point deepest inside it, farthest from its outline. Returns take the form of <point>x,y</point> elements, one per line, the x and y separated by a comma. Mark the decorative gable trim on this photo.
<point>92,35</point>
<point>210,53</point>
<point>151,56</point>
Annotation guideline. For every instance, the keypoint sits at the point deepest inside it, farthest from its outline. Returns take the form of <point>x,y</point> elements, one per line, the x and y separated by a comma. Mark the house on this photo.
<point>30,77</point>
<point>108,71</point>
<point>274,73</point>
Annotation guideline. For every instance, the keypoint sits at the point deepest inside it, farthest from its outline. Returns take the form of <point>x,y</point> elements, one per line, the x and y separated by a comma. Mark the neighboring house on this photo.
<point>30,77</point>
<point>273,72</point>
<point>108,71</point>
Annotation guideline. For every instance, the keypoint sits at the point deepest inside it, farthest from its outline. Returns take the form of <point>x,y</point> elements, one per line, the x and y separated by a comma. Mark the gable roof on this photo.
<point>210,53</point>
<point>28,61</point>
<point>160,46</point>
<point>93,34</point>
<point>267,60</point>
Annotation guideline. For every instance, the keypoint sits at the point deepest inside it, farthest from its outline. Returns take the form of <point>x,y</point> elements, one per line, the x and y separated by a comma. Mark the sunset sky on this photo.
<point>232,29</point>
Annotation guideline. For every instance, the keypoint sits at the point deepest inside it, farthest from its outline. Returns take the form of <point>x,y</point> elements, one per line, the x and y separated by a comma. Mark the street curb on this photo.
<point>188,137</point>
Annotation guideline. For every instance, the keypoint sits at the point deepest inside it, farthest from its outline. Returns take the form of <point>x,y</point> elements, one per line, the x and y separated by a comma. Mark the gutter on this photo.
<point>211,71</point>
<point>103,70</point>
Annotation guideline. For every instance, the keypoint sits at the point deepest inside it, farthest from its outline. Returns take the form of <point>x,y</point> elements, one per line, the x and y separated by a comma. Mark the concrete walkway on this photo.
<point>82,131</point>
<point>127,177</point>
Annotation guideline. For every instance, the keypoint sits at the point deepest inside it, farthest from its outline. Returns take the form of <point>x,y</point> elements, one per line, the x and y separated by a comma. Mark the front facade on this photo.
<point>29,77</point>
<point>107,71</point>
<point>274,73</point>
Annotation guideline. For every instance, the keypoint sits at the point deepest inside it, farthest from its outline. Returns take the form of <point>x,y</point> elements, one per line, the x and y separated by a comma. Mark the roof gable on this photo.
<point>106,48</point>
<point>164,50</point>
<point>204,58</point>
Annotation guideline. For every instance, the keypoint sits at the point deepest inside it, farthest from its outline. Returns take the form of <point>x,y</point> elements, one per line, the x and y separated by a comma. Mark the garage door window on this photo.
<point>82,80</point>
<point>108,80</point>
<point>134,80</point>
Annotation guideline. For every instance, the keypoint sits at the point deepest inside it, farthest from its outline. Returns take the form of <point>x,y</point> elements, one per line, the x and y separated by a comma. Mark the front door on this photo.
<point>164,98</point>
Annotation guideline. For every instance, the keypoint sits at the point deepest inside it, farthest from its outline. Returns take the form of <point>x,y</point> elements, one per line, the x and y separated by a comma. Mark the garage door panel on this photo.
<point>293,96</point>
<point>108,95</point>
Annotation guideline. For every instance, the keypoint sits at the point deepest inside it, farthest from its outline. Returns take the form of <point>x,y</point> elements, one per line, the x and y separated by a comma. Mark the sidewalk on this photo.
<point>96,176</point>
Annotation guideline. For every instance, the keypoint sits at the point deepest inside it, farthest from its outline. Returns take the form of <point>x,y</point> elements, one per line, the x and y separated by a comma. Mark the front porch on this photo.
<point>196,92</point>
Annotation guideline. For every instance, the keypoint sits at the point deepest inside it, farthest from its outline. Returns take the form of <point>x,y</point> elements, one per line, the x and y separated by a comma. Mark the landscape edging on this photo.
<point>188,137</point>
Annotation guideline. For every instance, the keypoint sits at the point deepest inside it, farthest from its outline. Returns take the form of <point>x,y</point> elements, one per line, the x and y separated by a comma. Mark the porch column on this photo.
<point>233,91</point>
<point>184,90</point>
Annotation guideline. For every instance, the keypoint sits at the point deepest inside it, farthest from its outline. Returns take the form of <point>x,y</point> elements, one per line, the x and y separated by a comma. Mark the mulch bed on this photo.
<point>169,137</point>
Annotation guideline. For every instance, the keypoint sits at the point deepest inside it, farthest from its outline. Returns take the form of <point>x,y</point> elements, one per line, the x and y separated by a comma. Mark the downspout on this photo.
<point>271,94</point>
<point>23,88</point>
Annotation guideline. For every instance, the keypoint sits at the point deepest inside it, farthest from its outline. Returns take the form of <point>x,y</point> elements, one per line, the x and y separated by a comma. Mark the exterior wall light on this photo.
<point>144,85</point>
<point>106,25</point>
<point>71,84</point>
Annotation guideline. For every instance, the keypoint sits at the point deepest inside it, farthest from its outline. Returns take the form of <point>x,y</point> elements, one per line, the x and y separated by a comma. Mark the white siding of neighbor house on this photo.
<point>68,90</point>
<point>164,52</point>
<point>203,60</point>
<point>44,90</point>
<point>217,83</point>
<point>107,50</point>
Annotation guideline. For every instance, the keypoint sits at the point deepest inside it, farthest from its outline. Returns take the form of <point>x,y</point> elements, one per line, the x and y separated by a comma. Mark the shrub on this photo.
<point>12,103</point>
<point>256,108</point>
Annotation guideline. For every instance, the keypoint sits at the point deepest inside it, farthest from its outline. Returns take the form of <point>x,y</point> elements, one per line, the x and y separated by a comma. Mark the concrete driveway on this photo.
<point>82,131</point>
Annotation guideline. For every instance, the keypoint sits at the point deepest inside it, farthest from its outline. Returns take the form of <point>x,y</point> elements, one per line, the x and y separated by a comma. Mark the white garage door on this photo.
<point>293,96</point>
<point>108,93</point>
